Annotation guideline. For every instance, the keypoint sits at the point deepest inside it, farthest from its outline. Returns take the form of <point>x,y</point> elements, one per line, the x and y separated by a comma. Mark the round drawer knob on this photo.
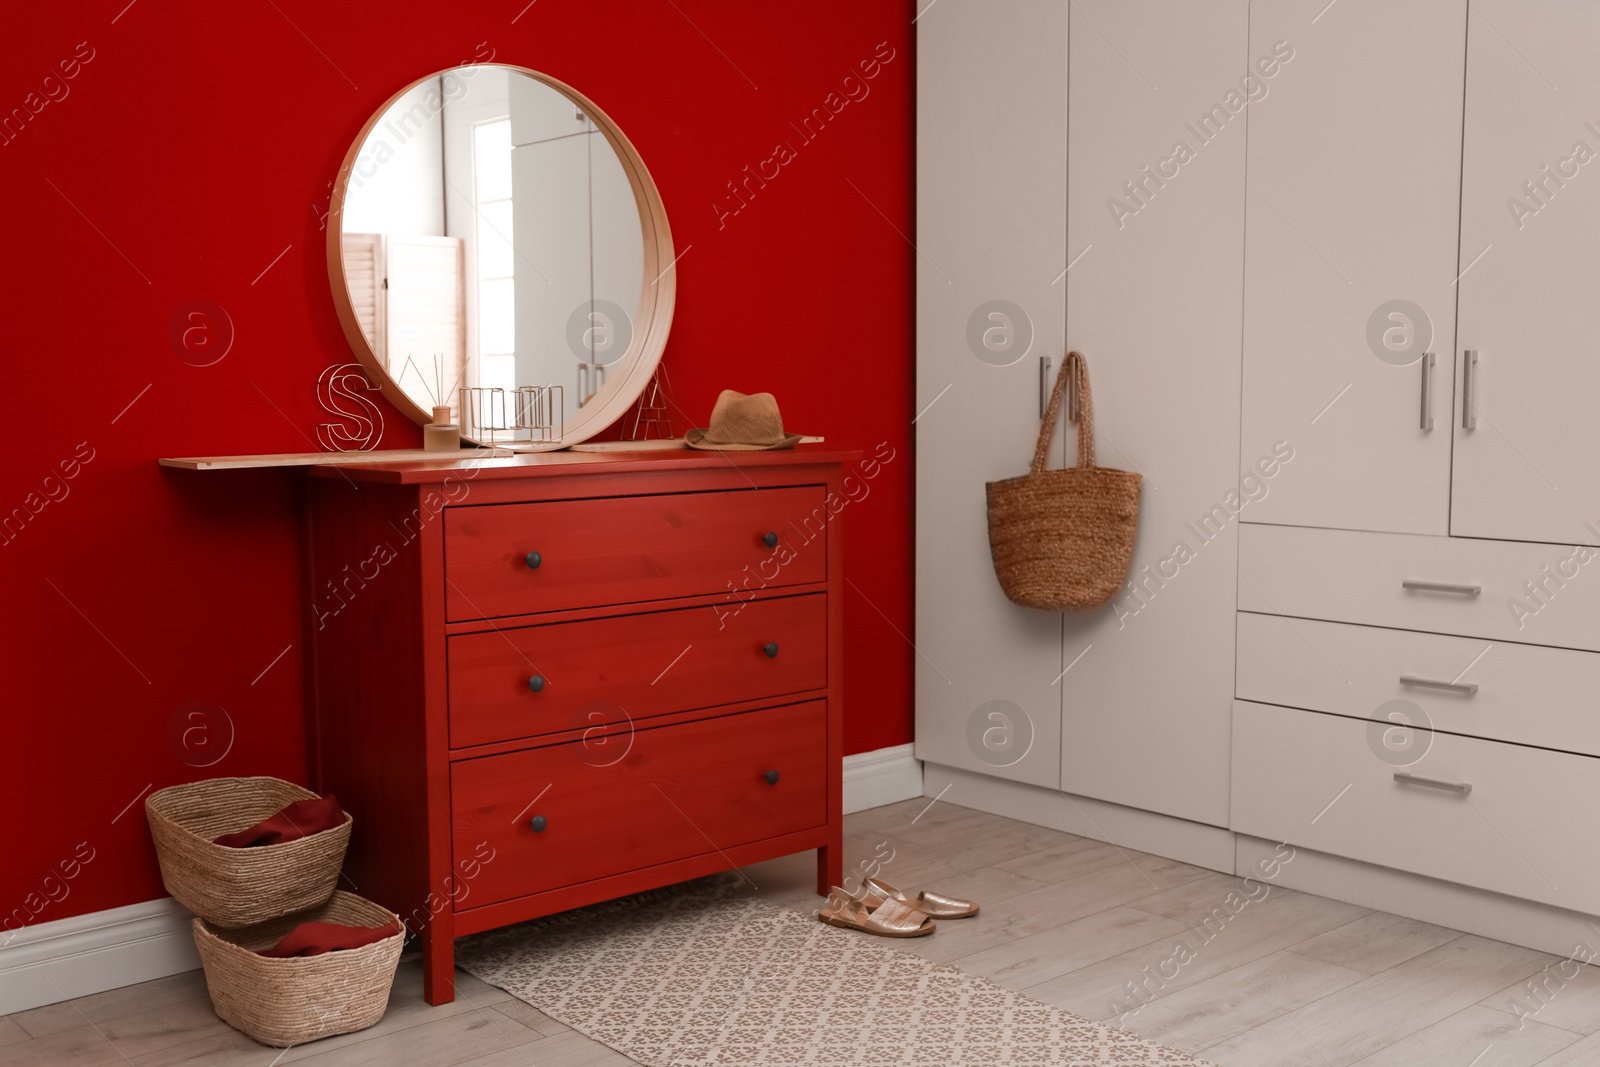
<point>771,650</point>
<point>536,683</point>
<point>533,559</point>
<point>771,777</point>
<point>771,540</point>
<point>538,824</point>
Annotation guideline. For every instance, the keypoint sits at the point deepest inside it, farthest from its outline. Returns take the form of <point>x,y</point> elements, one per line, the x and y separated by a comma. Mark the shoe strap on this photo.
<point>897,916</point>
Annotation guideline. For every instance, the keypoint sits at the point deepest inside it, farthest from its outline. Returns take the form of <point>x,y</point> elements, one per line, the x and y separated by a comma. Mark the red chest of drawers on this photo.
<point>543,682</point>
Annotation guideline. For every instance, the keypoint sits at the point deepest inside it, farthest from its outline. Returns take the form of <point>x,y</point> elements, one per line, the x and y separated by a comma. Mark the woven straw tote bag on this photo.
<point>1062,539</point>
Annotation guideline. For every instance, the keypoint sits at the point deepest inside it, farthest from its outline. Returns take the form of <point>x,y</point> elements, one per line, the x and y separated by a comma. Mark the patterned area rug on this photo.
<point>701,974</point>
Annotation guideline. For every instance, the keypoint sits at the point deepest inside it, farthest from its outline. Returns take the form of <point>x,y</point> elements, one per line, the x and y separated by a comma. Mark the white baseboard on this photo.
<point>54,961</point>
<point>884,776</point>
<point>1160,835</point>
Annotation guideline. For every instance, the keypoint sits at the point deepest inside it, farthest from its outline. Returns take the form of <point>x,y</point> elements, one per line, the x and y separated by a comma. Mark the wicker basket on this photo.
<point>240,886</point>
<point>1062,540</point>
<point>290,1001</point>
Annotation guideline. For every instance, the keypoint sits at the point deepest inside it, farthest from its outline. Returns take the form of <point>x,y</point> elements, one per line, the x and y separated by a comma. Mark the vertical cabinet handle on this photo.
<point>770,539</point>
<point>1427,390</point>
<point>1469,369</point>
<point>771,777</point>
<point>1074,401</point>
<point>1044,384</point>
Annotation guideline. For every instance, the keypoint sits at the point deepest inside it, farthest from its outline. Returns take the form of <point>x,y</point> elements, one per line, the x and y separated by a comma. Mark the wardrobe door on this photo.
<point>991,251</point>
<point>1350,260</point>
<point>550,224</point>
<point>1154,304</point>
<point>1527,454</point>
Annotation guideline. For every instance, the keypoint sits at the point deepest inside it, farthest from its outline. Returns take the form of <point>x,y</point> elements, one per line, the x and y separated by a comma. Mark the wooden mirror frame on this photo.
<point>657,296</point>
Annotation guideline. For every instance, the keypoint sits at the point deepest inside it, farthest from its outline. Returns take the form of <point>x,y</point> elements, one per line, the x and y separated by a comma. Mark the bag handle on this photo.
<point>1080,409</point>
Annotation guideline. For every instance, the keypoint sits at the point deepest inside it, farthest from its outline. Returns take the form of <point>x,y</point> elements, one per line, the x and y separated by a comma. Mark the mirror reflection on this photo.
<point>493,252</point>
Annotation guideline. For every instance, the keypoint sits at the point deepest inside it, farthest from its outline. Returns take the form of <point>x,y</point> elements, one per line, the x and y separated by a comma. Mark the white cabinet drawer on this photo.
<point>1356,576</point>
<point>1506,692</point>
<point>1524,829</point>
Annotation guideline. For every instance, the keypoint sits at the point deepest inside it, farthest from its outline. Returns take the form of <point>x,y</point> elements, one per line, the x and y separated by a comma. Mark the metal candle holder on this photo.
<point>536,411</point>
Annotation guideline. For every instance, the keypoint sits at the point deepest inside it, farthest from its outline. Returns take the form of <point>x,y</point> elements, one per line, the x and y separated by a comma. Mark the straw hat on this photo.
<point>741,423</point>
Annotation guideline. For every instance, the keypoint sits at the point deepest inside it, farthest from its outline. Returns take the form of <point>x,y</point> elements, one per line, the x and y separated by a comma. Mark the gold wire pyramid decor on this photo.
<point>650,417</point>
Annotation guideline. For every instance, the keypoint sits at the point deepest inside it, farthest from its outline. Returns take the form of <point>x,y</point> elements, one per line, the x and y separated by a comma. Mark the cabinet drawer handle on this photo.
<point>770,539</point>
<point>538,823</point>
<point>771,650</point>
<point>1469,688</point>
<point>1442,587</point>
<point>771,777</point>
<point>1427,391</point>
<point>1469,369</point>
<point>1459,788</point>
<point>533,559</point>
<point>536,683</point>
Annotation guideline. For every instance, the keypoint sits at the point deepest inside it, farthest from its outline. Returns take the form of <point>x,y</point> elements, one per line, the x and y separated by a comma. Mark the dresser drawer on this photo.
<point>644,665</point>
<point>1355,576</point>
<point>624,550</point>
<point>1502,691</point>
<point>1312,780</point>
<point>679,791</point>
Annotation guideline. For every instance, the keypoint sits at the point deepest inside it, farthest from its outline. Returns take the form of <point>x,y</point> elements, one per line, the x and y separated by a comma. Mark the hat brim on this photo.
<point>698,439</point>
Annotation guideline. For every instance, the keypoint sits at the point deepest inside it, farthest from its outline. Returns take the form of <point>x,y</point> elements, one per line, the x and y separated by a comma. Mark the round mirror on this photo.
<point>497,247</point>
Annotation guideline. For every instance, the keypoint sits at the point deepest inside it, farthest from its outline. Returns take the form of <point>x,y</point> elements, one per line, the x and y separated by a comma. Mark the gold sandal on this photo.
<point>931,904</point>
<point>892,918</point>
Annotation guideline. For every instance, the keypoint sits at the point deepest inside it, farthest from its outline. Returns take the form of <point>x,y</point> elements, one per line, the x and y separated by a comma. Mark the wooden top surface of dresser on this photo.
<point>556,464</point>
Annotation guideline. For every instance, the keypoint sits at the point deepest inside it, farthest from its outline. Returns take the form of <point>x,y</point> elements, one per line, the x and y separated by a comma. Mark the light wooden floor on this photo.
<point>1291,979</point>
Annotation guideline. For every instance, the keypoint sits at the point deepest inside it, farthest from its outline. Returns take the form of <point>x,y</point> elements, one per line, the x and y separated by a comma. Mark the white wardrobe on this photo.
<point>1335,271</point>
<point>1021,155</point>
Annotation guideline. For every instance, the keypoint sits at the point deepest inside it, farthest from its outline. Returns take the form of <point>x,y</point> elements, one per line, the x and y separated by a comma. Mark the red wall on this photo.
<point>191,149</point>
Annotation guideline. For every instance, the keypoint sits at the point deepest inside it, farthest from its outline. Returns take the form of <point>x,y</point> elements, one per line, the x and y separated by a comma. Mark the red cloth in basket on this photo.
<point>300,819</point>
<point>313,939</point>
